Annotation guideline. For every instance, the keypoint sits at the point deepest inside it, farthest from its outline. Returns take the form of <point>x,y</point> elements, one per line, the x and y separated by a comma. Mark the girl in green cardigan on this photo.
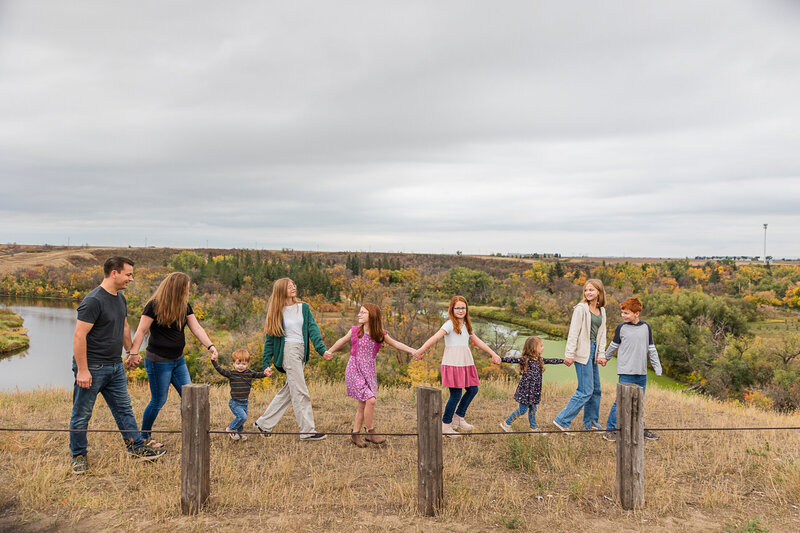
<point>290,326</point>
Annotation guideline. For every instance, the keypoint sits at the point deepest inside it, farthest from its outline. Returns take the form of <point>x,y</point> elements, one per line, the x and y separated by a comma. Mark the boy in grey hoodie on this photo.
<point>633,343</point>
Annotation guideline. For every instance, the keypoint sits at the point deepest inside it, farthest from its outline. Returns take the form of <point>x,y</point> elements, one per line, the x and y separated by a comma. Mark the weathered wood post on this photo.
<point>430,488</point>
<point>630,445</point>
<point>195,444</point>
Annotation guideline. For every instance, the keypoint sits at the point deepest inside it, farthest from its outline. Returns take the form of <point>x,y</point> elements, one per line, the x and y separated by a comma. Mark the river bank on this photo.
<point>13,337</point>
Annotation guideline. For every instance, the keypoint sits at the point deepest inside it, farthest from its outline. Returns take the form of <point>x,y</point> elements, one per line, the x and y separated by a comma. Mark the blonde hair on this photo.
<point>451,311</point>
<point>274,323</point>
<point>241,355</point>
<point>171,299</point>
<point>601,291</point>
<point>531,351</point>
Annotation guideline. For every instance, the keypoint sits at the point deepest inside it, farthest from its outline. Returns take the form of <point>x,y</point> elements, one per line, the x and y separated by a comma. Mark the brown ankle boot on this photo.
<point>373,438</point>
<point>358,440</point>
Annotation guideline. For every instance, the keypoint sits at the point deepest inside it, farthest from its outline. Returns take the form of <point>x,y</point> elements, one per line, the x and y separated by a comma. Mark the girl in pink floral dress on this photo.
<point>458,367</point>
<point>360,376</point>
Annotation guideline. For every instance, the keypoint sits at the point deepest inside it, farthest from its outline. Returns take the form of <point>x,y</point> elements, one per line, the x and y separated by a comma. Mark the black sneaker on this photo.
<point>649,435</point>
<point>146,453</point>
<point>264,433</point>
<point>610,436</point>
<point>80,464</point>
<point>315,436</point>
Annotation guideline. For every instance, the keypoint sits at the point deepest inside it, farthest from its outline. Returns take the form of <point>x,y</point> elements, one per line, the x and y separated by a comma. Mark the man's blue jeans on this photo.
<point>457,403</point>
<point>586,397</point>
<point>110,381</point>
<point>611,425</point>
<point>239,410</point>
<point>521,410</point>
<point>160,375</point>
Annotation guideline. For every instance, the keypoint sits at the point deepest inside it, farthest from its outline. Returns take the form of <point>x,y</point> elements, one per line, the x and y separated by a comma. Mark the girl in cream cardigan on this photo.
<point>586,339</point>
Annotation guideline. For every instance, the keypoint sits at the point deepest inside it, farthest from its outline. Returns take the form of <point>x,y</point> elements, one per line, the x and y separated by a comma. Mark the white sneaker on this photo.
<point>242,437</point>
<point>506,427</point>
<point>562,428</point>
<point>232,434</point>
<point>462,424</point>
<point>448,431</point>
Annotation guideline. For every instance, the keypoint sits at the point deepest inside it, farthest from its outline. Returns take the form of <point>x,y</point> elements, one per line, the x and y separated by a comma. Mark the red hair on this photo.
<point>375,323</point>
<point>454,320</point>
<point>634,305</point>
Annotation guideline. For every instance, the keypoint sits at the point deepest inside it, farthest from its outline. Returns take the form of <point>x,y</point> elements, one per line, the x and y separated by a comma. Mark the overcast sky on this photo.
<point>663,129</point>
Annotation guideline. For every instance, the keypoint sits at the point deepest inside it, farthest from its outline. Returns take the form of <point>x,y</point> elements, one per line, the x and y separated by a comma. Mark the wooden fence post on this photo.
<point>630,445</point>
<point>195,444</point>
<point>430,488</point>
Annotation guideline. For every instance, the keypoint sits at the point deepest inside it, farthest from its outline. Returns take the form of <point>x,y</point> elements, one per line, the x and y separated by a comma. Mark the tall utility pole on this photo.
<point>765,244</point>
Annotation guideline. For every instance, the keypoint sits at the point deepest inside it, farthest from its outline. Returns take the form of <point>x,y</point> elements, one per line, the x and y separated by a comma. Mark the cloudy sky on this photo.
<point>664,129</point>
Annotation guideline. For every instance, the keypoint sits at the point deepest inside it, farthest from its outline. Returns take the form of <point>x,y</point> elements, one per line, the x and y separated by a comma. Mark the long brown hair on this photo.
<point>531,351</point>
<point>375,323</point>
<point>274,323</point>
<point>171,299</point>
<point>601,291</point>
<point>454,320</point>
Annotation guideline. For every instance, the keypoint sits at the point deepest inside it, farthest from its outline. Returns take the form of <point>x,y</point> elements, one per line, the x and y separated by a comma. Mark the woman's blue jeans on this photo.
<point>457,403</point>
<point>161,375</point>
<point>586,397</point>
<point>521,410</point>
<point>611,425</point>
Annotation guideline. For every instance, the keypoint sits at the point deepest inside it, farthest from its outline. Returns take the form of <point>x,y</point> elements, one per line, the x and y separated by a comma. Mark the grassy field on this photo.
<point>698,481</point>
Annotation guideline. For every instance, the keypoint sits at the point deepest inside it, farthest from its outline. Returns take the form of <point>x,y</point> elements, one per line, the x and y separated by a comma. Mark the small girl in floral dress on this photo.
<point>529,390</point>
<point>360,376</point>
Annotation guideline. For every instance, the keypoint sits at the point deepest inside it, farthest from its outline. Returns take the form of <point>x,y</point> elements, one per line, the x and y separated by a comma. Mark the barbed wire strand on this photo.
<point>349,433</point>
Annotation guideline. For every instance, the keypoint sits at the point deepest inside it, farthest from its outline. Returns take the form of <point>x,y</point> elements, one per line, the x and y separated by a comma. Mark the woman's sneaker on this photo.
<point>80,464</point>
<point>448,431</point>
<point>264,433</point>
<point>505,427</point>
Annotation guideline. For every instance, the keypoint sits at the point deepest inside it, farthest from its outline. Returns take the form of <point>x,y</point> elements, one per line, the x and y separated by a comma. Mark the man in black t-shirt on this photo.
<point>100,335</point>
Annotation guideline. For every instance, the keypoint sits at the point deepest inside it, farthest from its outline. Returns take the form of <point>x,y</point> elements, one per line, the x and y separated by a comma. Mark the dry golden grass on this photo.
<point>699,481</point>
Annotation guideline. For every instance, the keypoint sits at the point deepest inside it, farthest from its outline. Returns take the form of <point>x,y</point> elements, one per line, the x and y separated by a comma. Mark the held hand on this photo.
<point>602,361</point>
<point>496,359</point>
<point>133,360</point>
<point>568,361</point>
<point>327,355</point>
<point>84,379</point>
<point>268,371</point>
<point>416,355</point>
<point>213,352</point>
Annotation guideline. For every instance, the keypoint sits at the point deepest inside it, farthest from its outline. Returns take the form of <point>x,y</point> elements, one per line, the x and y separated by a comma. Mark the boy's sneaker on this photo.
<point>649,435</point>
<point>146,453</point>
<point>242,437</point>
<point>231,433</point>
<point>80,464</point>
<point>264,433</point>
<point>562,428</point>
<point>315,436</point>
<point>610,436</point>
<point>506,427</point>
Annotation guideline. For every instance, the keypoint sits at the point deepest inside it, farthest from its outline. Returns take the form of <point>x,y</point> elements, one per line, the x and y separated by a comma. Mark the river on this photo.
<point>48,359</point>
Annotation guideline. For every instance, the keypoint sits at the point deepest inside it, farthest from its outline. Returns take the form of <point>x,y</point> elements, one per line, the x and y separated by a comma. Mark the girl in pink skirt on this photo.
<point>360,376</point>
<point>458,367</point>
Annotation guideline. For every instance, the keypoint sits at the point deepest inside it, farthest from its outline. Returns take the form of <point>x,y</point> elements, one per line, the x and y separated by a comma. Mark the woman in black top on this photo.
<point>165,316</point>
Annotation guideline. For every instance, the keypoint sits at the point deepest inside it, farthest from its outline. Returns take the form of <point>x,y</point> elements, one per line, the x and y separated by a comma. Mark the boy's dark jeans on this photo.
<point>636,379</point>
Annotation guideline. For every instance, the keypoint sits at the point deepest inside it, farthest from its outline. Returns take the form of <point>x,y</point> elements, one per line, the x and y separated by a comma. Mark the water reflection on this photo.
<point>48,359</point>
